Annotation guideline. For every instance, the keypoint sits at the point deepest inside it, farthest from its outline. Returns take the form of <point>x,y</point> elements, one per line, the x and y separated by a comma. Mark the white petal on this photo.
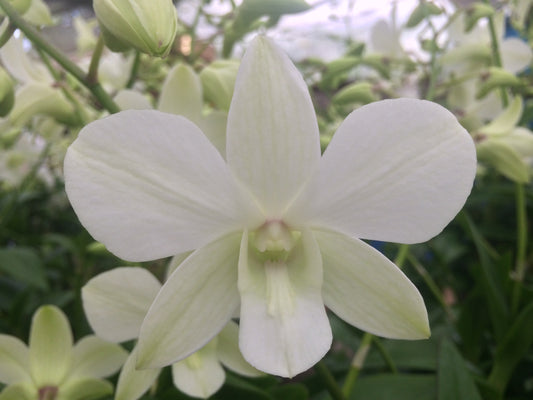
<point>14,361</point>
<point>181,93</point>
<point>50,346</point>
<point>19,391</point>
<point>516,55</point>
<point>96,358</point>
<point>200,374</point>
<point>195,303</point>
<point>229,353</point>
<point>116,302</point>
<point>132,383</point>
<point>272,133</point>
<point>284,329</point>
<point>368,291</point>
<point>150,185</point>
<point>396,170</point>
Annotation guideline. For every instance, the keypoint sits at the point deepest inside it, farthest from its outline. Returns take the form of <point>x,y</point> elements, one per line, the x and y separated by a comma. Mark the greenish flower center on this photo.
<point>48,393</point>
<point>273,243</point>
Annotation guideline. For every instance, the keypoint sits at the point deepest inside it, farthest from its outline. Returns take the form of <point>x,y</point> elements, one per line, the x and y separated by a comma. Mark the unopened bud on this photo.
<point>149,26</point>
<point>497,78</point>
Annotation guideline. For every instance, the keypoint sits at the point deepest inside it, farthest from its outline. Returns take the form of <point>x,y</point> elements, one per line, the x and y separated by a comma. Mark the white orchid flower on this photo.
<point>116,302</point>
<point>51,368</point>
<point>275,226</point>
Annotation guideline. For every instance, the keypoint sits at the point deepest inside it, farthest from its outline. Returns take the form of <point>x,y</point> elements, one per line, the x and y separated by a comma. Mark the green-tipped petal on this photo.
<point>50,346</point>
<point>200,374</point>
<point>195,303</point>
<point>85,389</point>
<point>368,291</point>
<point>229,353</point>
<point>506,121</point>
<point>128,99</point>
<point>272,134</point>
<point>14,360</point>
<point>181,93</point>
<point>19,391</point>
<point>117,301</point>
<point>132,382</point>
<point>96,358</point>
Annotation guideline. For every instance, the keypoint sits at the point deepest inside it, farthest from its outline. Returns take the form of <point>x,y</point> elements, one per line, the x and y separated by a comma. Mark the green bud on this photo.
<point>496,78</point>
<point>336,70</point>
<point>148,26</point>
<point>502,157</point>
<point>218,80</point>
<point>475,12</point>
<point>355,93</point>
<point>424,10</point>
<point>506,121</point>
<point>7,93</point>
<point>379,63</point>
<point>20,6</point>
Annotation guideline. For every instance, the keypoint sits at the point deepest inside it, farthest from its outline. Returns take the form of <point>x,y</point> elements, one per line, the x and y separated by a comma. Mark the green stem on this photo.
<point>403,253</point>
<point>496,58</point>
<point>329,381</point>
<point>6,35</point>
<point>432,286</point>
<point>521,250</point>
<point>385,355</point>
<point>80,112</point>
<point>92,74</point>
<point>134,70</point>
<point>357,364</point>
<point>360,356</point>
<point>105,100</point>
<point>430,94</point>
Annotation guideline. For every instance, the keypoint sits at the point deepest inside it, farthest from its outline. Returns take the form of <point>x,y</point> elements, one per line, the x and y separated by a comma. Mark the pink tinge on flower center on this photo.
<point>48,393</point>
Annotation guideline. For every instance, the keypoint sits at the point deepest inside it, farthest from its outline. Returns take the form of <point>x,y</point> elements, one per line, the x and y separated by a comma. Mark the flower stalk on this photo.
<point>94,87</point>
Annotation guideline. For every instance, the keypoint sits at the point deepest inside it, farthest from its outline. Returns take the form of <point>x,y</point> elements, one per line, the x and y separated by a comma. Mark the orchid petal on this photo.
<point>14,359</point>
<point>85,389</point>
<point>229,353</point>
<point>18,391</point>
<point>272,134</point>
<point>284,329</point>
<point>50,346</point>
<point>368,291</point>
<point>128,99</point>
<point>400,182</point>
<point>117,301</point>
<point>200,374</point>
<point>96,358</point>
<point>150,185</point>
<point>20,66</point>
<point>194,304</point>
<point>181,93</point>
<point>516,55</point>
<point>132,382</point>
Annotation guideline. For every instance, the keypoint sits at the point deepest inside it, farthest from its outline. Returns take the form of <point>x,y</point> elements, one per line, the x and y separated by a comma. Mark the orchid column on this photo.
<point>274,228</point>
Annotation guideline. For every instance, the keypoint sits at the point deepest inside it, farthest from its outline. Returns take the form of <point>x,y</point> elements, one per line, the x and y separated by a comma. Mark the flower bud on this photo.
<point>360,92</point>
<point>20,6</point>
<point>149,26</point>
<point>497,78</point>
<point>7,94</point>
<point>218,80</point>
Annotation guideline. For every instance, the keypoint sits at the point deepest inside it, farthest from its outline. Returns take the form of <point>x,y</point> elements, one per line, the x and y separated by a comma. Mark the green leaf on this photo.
<point>395,387</point>
<point>422,11</point>
<point>454,379</point>
<point>24,265</point>
<point>489,281</point>
<point>512,349</point>
<point>294,391</point>
<point>417,355</point>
